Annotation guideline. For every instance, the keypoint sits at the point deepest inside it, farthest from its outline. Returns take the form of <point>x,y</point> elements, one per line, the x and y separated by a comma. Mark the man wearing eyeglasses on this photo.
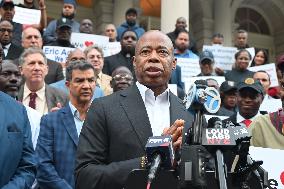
<point>122,78</point>
<point>11,50</point>
<point>95,57</point>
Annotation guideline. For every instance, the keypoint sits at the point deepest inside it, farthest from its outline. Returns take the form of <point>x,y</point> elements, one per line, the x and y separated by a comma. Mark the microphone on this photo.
<point>202,95</point>
<point>160,153</point>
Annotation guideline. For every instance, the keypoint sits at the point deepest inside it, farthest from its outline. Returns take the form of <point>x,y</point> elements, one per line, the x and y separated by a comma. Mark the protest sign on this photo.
<point>112,48</point>
<point>83,40</point>
<point>270,69</point>
<point>26,16</point>
<point>272,163</point>
<point>189,68</point>
<point>224,56</point>
<point>58,54</point>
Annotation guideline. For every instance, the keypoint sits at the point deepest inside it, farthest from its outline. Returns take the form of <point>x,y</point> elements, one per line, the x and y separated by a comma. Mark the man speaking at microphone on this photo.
<point>113,137</point>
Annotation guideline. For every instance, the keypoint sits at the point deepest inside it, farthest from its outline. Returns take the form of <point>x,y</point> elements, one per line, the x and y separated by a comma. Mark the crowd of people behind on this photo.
<point>53,136</point>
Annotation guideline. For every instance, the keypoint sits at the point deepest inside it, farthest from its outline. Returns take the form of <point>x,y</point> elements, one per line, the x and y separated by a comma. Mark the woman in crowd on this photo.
<point>240,72</point>
<point>260,58</point>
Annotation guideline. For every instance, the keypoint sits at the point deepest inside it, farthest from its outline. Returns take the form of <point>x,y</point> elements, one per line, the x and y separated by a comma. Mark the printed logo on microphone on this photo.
<point>218,136</point>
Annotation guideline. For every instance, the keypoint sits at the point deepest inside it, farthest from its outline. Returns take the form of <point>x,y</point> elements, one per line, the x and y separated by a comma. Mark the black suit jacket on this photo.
<point>114,61</point>
<point>14,52</point>
<point>113,138</point>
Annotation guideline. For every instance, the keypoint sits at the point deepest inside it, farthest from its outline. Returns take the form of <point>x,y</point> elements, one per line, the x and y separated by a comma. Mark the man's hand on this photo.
<point>57,107</point>
<point>176,133</point>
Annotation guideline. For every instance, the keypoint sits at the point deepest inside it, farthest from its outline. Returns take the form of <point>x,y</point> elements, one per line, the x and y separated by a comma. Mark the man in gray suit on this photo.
<point>113,138</point>
<point>34,92</point>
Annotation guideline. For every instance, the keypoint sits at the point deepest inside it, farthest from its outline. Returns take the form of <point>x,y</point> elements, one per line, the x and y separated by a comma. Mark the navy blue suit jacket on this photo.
<point>17,158</point>
<point>176,77</point>
<point>56,147</point>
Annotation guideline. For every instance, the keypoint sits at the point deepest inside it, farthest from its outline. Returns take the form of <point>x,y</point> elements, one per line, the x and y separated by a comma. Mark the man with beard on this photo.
<point>124,57</point>
<point>180,26</point>
<point>63,31</point>
<point>130,24</point>
<point>68,12</point>
<point>86,26</point>
<point>182,43</point>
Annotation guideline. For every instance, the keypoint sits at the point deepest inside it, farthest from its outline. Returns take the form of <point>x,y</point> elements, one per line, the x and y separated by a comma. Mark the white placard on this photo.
<point>270,69</point>
<point>83,40</point>
<point>190,81</point>
<point>251,51</point>
<point>112,48</point>
<point>272,163</point>
<point>224,57</point>
<point>26,16</point>
<point>58,54</point>
<point>189,68</point>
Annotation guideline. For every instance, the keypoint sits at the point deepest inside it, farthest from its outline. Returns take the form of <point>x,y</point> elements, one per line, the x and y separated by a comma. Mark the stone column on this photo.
<point>170,11</point>
<point>223,20</point>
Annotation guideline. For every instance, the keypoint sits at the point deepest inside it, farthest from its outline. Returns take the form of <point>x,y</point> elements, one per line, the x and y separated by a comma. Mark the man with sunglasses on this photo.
<point>11,50</point>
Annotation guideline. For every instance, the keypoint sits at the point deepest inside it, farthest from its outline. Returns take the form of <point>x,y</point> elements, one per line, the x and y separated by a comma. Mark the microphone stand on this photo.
<point>221,169</point>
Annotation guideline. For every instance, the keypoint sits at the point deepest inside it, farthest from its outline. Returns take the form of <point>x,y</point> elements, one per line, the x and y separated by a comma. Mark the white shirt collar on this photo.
<point>241,118</point>
<point>144,90</point>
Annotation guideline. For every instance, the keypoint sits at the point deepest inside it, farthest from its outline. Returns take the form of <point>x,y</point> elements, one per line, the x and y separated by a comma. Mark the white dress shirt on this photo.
<point>241,118</point>
<point>158,108</point>
<point>6,49</point>
<point>41,105</point>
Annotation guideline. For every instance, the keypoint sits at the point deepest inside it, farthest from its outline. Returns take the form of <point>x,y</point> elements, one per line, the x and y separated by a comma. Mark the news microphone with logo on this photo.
<point>217,136</point>
<point>200,94</point>
<point>160,153</point>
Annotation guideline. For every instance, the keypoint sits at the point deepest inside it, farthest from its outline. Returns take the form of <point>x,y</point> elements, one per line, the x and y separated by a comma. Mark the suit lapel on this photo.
<point>177,110</point>
<point>69,124</point>
<point>133,105</point>
<point>49,98</point>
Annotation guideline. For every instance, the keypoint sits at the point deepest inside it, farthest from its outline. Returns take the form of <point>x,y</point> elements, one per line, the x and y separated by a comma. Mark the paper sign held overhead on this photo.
<point>26,16</point>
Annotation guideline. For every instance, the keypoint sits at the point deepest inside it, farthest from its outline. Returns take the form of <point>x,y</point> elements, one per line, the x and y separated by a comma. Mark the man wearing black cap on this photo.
<point>68,12</point>
<point>206,63</point>
<point>63,33</point>
<point>130,24</point>
<point>228,94</point>
<point>249,97</point>
<point>7,12</point>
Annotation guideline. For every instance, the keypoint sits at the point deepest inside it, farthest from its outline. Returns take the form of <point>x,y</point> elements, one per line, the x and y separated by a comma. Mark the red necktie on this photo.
<point>32,102</point>
<point>247,122</point>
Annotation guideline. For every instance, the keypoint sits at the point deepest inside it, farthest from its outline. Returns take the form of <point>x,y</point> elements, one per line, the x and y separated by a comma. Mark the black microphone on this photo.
<point>159,151</point>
